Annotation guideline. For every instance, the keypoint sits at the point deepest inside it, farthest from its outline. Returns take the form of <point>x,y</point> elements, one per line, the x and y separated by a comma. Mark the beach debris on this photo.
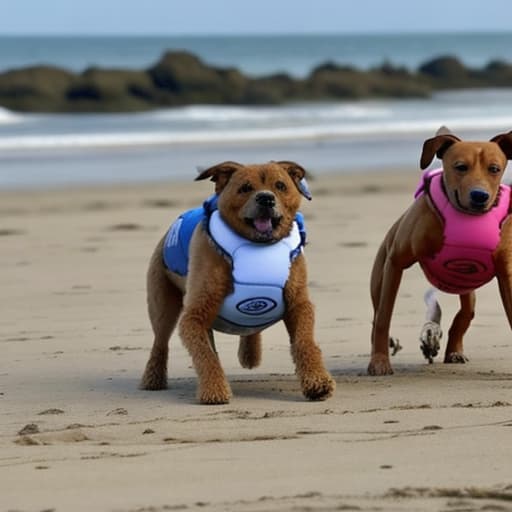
<point>394,344</point>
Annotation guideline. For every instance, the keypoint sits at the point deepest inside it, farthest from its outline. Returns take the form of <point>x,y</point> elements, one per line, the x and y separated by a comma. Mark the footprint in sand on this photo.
<point>10,232</point>
<point>50,411</point>
<point>159,203</point>
<point>30,428</point>
<point>125,226</point>
<point>120,411</point>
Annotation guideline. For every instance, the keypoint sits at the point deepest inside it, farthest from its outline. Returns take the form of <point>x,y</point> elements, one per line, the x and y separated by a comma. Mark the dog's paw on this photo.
<point>430,338</point>
<point>153,380</point>
<point>455,358</point>
<point>215,395</point>
<point>319,387</point>
<point>380,365</point>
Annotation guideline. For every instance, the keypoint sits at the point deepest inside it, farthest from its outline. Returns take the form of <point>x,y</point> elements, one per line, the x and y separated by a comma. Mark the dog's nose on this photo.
<point>479,197</point>
<point>266,199</point>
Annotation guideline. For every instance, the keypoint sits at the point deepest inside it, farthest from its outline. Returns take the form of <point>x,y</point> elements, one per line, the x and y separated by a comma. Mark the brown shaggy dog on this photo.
<point>258,204</point>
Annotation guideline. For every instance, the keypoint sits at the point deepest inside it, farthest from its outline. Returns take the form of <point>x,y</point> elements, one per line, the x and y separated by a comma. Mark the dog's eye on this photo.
<point>245,188</point>
<point>281,186</point>
<point>459,166</point>
<point>494,169</point>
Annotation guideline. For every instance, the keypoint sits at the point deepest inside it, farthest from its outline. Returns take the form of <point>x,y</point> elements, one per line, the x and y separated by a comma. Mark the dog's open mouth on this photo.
<point>264,226</point>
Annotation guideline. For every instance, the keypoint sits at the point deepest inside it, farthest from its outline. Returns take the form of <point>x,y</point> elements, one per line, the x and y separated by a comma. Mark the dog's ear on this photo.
<point>220,174</point>
<point>444,130</point>
<point>504,141</point>
<point>298,175</point>
<point>436,146</point>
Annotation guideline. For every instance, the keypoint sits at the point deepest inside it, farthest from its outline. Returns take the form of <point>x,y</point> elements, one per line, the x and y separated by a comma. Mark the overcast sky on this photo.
<point>177,17</point>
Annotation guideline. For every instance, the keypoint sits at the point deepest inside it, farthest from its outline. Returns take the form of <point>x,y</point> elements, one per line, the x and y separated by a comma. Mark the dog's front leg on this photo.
<point>207,285</point>
<point>315,380</point>
<point>384,290</point>
<point>213,388</point>
<point>503,261</point>
<point>505,286</point>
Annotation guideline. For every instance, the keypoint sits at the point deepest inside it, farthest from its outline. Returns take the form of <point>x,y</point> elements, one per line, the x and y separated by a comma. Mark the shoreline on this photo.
<point>132,165</point>
<point>365,175</point>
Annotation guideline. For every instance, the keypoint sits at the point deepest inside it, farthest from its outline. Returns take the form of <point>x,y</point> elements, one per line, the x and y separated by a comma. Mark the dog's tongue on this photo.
<point>263,225</point>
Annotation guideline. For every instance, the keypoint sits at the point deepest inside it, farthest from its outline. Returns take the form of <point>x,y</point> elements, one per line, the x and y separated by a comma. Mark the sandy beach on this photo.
<point>76,433</point>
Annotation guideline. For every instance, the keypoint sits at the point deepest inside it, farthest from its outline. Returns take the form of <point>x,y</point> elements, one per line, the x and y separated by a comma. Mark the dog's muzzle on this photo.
<point>265,200</point>
<point>478,202</point>
<point>478,198</point>
<point>265,218</point>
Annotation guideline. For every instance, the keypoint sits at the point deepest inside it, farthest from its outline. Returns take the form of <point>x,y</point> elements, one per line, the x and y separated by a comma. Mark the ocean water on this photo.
<point>256,55</point>
<point>63,149</point>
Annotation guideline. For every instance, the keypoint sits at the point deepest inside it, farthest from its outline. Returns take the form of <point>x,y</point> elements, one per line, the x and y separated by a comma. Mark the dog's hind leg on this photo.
<point>431,332</point>
<point>165,302</point>
<point>249,350</point>
<point>454,349</point>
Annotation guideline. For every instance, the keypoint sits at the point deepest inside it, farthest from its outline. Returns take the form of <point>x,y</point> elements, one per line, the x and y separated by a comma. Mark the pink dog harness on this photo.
<point>465,262</point>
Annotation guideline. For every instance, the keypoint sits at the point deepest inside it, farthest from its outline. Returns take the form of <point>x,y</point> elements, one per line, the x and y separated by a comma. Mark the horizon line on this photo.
<point>455,32</point>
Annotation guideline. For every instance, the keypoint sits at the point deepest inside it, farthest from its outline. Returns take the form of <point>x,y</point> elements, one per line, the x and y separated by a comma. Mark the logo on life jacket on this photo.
<point>256,306</point>
<point>465,266</point>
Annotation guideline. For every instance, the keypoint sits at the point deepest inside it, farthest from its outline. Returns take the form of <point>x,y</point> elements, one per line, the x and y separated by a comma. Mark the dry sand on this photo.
<point>76,434</point>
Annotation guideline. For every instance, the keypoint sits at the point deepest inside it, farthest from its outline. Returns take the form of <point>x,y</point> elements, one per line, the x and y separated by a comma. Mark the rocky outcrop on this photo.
<point>110,89</point>
<point>180,78</point>
<point>448,72</point>
<point>334,82</point>
<point>37,88</point>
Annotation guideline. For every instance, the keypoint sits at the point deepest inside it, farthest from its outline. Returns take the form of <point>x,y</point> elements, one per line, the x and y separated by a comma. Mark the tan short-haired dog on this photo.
<point>245,271</point>
<point>458,229</point>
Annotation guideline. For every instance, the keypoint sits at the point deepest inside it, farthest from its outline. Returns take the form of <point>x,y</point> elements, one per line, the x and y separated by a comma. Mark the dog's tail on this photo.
<point>433,307</point>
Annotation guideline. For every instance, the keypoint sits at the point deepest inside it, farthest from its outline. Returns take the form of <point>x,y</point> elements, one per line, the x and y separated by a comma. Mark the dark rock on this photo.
<point>498,72</point>
<point>183,78</point>
<point>444,67</point>
<point>112,90</point>
<point>447,73</point>
<point>389,69</point>
<point>345,83</point>
<point>330,67</point>
<point>396,84</point>
<point>272,90</point>
<point>35,88</point>
<point>330,81</point>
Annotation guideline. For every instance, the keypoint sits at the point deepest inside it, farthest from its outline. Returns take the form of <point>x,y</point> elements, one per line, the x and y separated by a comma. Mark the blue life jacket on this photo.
<point>259,271</point>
